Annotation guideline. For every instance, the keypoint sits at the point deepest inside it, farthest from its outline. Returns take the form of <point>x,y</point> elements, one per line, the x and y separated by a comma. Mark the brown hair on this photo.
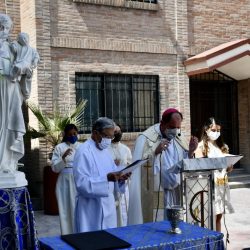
<point>219,142</point>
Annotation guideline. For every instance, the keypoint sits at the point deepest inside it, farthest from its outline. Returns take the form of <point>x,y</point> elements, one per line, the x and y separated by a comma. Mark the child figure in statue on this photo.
<point>19,59</point>
<point>26,59</point>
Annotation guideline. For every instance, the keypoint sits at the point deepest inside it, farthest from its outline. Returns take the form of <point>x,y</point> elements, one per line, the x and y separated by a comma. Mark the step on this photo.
<point>239,178</point>
<point>239,184</point>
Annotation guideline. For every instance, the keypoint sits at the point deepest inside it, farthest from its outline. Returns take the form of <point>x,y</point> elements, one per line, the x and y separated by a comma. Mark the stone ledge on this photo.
<point>154,47</point>
<point>127,136</point>
<point>122,4</point>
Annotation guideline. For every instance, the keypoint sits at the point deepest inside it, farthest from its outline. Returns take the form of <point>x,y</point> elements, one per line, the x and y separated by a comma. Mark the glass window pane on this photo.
<point>130,100</point>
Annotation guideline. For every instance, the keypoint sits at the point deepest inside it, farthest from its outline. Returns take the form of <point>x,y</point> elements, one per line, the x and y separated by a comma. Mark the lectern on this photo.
<point>198,188</point>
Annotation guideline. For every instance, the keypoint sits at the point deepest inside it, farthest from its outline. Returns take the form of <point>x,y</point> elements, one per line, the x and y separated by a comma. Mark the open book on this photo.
<point>232,159</point>
<point>131,167</point>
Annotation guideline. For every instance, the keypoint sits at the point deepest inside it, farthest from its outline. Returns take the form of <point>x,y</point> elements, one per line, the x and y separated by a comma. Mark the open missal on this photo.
<point>204,164</point>
<point>132,166</point>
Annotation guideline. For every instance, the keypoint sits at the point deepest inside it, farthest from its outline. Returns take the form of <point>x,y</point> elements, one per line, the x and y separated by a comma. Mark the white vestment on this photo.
<point>95,202</point>
<point>221,187</point>
<point>65,186</point>
<point>122,153</point>
<point>145,146</point>
<point>170,180</point>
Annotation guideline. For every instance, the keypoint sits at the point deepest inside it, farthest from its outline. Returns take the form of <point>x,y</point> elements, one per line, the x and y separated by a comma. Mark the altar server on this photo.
<point>95,178</point>
<point>62,162</point>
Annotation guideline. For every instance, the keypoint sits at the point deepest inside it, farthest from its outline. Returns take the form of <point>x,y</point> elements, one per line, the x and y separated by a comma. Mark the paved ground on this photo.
<point>238,224</point>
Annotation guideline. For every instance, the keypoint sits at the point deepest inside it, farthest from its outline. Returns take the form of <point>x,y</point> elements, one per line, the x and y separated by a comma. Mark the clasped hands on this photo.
<point>66,153</point>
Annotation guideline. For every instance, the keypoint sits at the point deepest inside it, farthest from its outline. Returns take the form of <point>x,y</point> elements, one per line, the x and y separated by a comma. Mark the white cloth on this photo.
<point>121,152</point>
<point>12,126</point>
<point>95,203</point>
<point>135,206</point>
<point>65,186</point>
<point>145,147</point>
<point>221,186</point>
<point>170,181</point>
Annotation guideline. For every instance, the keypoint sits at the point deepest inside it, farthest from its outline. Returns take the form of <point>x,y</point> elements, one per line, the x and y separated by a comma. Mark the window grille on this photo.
<point>130,100</point>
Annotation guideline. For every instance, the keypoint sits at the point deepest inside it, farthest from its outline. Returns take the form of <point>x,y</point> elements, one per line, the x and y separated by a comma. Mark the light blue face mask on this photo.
<point>171,133</point>
<point>105,143</point>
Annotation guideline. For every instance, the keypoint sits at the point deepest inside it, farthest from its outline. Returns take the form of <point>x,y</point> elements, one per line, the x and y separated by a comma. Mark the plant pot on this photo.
<point>49,187</point>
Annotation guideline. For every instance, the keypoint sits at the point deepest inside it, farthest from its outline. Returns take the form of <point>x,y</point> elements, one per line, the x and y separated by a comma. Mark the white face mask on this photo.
<point>213,135</point>
<point>171,133</point>
<point>105,143</point>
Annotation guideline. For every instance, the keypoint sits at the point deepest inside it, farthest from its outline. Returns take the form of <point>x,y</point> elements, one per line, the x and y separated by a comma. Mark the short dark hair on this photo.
<point>67,128</point>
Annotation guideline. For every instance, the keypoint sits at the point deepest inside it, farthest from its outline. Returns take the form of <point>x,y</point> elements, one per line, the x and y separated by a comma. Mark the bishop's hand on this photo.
<point>163,145</point>
<point>193,144</point>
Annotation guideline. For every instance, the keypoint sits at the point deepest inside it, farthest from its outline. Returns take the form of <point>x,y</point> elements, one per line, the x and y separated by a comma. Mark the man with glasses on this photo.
<point>96,178</point>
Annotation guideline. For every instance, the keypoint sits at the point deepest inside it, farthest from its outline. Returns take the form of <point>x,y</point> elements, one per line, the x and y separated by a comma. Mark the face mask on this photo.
<point>171,133</point>
<point>213,135</point>
<point>72,139</point>
<point>118,137</point>
<point>105,142</point>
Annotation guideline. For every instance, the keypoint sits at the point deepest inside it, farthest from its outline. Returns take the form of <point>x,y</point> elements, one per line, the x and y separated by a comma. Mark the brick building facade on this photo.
<point>124,37</point>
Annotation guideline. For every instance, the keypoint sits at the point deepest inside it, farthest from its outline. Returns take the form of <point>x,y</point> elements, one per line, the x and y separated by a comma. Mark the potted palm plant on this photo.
<point>51,126</point>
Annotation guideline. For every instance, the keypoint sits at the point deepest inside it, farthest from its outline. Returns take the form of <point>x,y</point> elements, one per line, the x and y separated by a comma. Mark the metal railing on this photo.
<point>130,100</point>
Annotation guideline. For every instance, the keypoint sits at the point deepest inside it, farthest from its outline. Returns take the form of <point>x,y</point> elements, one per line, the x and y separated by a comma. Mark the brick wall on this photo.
<point>12,8</point>
<point>72,36</point>
<point>244,120</point>
<point>113,40</point>
<point>211,23</point>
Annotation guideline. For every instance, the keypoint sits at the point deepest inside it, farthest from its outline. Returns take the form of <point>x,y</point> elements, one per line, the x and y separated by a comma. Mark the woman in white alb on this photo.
<point>212,145</point>
<point>62,162</point>
<point>122,157</point>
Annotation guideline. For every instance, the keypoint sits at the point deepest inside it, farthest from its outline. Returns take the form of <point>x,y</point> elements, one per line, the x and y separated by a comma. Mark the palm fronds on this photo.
<point>52,125</point>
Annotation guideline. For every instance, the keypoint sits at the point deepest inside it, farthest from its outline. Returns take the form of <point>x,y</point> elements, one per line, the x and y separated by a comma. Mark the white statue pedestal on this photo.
<point>12,179</point>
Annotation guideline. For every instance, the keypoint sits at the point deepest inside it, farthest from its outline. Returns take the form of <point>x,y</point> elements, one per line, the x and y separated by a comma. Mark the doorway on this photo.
<point>214,94</point>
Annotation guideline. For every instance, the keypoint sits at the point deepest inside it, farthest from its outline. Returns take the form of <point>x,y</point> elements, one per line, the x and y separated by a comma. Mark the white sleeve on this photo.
<point>87,185</point>
<point>129,156</point>
<point>135,208</point>
<point>157,163</point>
<point>57,163</point>
<point>139,146</point>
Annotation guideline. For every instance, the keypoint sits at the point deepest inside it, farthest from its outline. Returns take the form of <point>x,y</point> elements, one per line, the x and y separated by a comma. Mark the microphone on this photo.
<point>179,133</point>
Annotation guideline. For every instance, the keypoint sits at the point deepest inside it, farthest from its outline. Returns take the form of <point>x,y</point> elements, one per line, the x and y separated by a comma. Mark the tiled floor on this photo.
<point>47,225</point>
